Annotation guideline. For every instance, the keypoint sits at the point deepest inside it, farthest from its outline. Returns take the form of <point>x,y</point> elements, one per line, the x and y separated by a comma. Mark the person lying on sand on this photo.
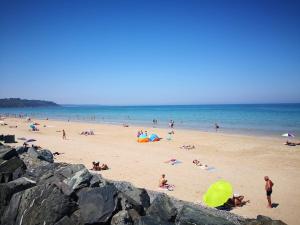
<point>97,167</point>
<point>187,147</point>
<point>237,201</point>
<point>88,132</point>
<point>198,163</point>
<point>125,125</point>
<point>289,143</point>
<point>13,126</point>
<point>57,153</point>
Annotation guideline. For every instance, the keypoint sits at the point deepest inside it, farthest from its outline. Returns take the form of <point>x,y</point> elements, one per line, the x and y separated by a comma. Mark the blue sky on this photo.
<point>150,52</point>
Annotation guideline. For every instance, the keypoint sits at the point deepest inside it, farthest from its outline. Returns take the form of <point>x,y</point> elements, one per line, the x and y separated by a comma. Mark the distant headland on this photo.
<point>20,103</point>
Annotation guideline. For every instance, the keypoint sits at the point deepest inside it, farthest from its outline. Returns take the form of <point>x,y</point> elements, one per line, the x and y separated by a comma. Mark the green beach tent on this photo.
<point>218,193</point>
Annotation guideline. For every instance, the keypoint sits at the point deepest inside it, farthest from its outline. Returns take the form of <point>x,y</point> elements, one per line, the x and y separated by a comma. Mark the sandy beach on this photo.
<point>240,159</point>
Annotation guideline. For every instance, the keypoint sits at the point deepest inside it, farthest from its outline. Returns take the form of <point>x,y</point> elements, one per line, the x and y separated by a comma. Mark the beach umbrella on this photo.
<point>288,135</point>
<point>218,193</point>
<point>30,140</point>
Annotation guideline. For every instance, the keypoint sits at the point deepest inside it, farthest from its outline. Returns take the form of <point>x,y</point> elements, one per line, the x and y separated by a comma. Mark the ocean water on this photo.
<point>258,119</point>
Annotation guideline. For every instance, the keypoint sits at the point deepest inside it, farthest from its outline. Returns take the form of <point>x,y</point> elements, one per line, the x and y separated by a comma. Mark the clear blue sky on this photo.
<point>150,52</point>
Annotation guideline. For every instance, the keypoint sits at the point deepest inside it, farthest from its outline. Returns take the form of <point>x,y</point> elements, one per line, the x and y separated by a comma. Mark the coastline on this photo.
<point>241,159</point>
<point>248,119</point>
<point>234,132</point>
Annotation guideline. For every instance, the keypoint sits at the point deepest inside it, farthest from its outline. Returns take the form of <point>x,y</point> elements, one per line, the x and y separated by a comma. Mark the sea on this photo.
<point>253,119</point>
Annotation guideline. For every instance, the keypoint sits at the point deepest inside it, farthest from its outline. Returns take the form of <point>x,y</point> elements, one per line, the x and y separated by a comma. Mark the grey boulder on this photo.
<point>263,220</point>
<point>98,204</point>
<point>163,208</point>
<point>7,152</point>
<point>139,195</point>
<point>79,180</point>
<point>46,155</point>
<point>121,218</point>
<point>44,204</point>
<point>11,169</point>
<point>189,215</point>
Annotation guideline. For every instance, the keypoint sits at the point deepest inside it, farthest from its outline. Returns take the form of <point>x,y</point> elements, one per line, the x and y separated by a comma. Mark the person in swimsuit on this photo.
<point>269,188</point>
<point>163,181</point>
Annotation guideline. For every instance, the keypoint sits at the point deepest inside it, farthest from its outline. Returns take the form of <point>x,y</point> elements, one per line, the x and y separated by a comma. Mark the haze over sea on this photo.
<point>254,119</point>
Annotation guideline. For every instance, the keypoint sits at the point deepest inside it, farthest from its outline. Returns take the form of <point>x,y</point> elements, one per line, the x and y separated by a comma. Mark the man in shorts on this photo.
<point>268,187</point>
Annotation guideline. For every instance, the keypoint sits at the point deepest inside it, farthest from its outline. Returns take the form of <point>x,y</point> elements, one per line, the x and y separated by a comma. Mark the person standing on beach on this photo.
<point>64,135</point>
<point>269,188</point>
<point>217,127</point>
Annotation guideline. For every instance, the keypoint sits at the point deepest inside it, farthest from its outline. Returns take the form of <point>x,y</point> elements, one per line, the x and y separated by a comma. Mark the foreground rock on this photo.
<point>36,191</point>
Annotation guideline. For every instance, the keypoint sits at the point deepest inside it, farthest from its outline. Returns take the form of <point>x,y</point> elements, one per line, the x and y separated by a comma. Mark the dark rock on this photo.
<point>20,150</point>
<point>7,153</point>
<point>32,152</point>
<point>10,188</point>
<point>46,155</point>
<point>193,216</point>
<point>75,217</point>
<point>139,195</point>
<point>163,208</point>
<point>148,220</point>
<point>79,180</point>
<point>69,170</point>
<point>65,221</point>
<point>263,220</point>
<point>98,204</point>
<point>11,169</point>
<point>31,161</point>
<point>127,203</point>
<point>44,172</point>
<point>44,204</point>
<point>121,218</point>
<point>9,139</point>
<point>97,181</point>
<point>134,215</point>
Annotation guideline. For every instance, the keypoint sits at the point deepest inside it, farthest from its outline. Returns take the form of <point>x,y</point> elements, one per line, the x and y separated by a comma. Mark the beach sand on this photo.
<point>240,159</point>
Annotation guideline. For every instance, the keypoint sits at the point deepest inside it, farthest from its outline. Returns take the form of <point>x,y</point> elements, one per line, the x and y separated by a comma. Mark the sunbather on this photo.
<point>237,201</point>
<point>163,183</point>
<point>188,147</point>
<point>57,153</point>
<point>198,163</point>
<point>88,132</point>
<point>97,167</point>
<point>289,143</point>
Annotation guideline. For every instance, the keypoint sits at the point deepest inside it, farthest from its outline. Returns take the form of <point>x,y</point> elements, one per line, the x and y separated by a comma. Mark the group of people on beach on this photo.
<point>141,132</point>
<point>235,201</point>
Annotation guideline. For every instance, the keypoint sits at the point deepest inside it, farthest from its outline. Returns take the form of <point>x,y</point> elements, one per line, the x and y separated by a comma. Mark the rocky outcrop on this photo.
<point>35,190</point>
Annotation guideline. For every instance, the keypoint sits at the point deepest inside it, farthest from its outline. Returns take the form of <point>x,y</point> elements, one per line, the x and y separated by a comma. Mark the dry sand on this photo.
<point>239,159</point>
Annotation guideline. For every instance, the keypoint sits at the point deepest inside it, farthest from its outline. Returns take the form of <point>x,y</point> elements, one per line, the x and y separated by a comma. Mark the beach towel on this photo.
<point>168,187</point>
<point>211,169</point>
<point>173,162</point>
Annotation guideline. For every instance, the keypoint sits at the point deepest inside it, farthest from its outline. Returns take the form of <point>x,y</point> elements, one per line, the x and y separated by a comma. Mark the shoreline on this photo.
<point>225,131</point>
<point>241,159</point>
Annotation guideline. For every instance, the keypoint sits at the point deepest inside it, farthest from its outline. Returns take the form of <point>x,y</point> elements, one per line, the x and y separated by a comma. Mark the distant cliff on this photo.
<point>17,102</point>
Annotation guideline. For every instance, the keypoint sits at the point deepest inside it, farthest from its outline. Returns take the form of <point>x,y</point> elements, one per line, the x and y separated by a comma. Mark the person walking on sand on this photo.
<point>217,127</point>
<point>269,188</point>
<point>64,135</point>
